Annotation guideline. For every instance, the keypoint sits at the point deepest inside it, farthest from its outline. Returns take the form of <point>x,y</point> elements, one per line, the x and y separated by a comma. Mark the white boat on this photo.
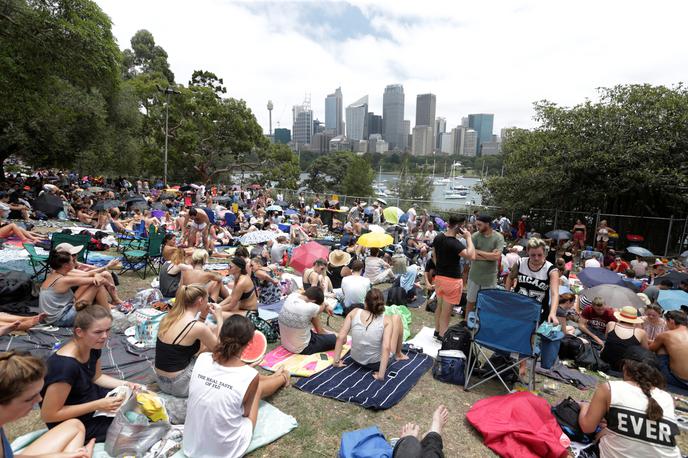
<point>441,181</point>
<point>458,187</point>
<point>455,195</point>
<point>380,190</point>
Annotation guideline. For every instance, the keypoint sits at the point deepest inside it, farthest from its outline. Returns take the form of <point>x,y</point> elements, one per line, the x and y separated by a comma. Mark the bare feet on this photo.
<point>439,419</point>
<point>284,374</point>
<point>7,328</point>
<point>410,429</point>
<point>523,370</point>
<point>400,356</point>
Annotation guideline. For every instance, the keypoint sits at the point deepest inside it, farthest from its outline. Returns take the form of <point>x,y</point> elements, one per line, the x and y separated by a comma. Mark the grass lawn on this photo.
<point>322,421</point>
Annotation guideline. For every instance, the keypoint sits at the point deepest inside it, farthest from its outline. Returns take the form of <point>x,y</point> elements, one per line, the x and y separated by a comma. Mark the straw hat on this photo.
<point>339,258</point>
<point>628,314</point>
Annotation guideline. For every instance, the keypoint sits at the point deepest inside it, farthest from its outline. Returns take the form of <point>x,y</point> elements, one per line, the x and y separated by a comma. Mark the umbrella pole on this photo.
<point>666,246</point>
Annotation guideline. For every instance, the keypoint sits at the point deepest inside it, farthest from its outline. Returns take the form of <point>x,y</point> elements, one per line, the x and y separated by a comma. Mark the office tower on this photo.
<point>318,127</point>
<point>334,120</point>
<point>482,124</point>
<point>376,144</point>
<point>393,117</point>
<point>282,135</point>
<point>464,121</point>
<point>425,110</point>
<point>374,124</point>
<point>446,141</point>
<point>422,141</point>
<point>406,135</point>
<point>302,128</point>
<point>440,128</point>
<point>320,142</point>
<point>357,119</point>
<point>470,143</point>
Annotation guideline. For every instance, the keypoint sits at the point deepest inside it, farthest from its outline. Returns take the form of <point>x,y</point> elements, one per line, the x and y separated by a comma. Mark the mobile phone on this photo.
<point>324,357</point>
<point>392,374</point>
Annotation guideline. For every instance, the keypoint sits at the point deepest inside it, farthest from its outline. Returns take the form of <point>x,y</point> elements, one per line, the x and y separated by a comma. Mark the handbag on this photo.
<point>450,367</point>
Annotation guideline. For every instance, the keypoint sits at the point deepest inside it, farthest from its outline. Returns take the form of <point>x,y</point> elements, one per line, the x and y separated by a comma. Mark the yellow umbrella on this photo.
<point>375,240</point>
<point>392,214</point>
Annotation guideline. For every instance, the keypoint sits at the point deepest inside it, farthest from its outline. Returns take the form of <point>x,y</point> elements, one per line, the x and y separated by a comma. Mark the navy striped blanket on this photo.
<point>356,384</point>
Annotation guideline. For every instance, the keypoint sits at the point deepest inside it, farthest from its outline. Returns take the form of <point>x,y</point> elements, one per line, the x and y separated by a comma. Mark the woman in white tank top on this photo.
<point>374,336</point>
<point>639,416</point>
<point>224,393</point>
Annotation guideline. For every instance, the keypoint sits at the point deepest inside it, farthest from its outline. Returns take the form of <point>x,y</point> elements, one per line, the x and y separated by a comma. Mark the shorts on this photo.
<point>197,226</point>
<point>67,318</point>
<point>473,288</point>
<point>320,343</point>
<point>671,379</point>
<point>448,288</point>
<point>179,384</point>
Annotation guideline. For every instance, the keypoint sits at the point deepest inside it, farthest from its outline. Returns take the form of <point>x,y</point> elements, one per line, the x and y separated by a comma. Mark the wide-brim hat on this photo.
<point>628,314</point>
<point>68,248</point>
<point>339,258</point>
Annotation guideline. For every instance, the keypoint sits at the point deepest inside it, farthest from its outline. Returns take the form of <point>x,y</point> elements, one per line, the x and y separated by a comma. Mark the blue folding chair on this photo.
<point>506,323</point>
<point>230,220</point>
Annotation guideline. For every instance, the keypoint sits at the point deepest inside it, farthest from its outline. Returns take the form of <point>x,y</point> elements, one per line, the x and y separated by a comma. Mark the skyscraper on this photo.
<point>302,128</point>
<point>334,121</point>
<point>406,137</point>
<point>282,135</point>
<point>357,119</point>
<point>374,124</point>
<point>425,110</point>
<point>482,123</point>
<point>393,117</point>
<point>422,141</point>
<point>440,128</point>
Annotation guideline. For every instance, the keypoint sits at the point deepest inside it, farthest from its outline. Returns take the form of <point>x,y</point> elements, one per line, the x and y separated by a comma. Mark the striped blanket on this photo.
<point>356,384</point>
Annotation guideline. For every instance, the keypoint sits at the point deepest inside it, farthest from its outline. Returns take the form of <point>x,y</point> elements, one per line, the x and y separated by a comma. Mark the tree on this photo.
<point>327,172</point>
<point>145,57</point>
<point>627,153</point>
<point>281,165</point>
<point>358,179</point>
<point>58,74</point>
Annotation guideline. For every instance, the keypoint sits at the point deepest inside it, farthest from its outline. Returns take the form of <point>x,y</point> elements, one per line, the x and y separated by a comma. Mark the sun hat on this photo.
<point>68,248</point>
<point>643,297</point>
<point>628,314</point>
<point>339,258</point>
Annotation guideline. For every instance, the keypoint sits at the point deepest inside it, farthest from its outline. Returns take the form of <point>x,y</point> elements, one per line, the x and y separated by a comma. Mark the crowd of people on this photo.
<point>214,316</point>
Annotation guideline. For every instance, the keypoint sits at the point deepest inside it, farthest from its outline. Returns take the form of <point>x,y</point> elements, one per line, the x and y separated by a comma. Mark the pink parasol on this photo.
<point>305,255</point>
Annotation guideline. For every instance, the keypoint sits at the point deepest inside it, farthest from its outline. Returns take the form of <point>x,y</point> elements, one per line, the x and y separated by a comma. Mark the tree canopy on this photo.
<point>626,153</point>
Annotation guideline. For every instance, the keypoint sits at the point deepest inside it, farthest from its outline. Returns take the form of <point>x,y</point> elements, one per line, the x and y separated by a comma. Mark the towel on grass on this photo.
<point>425,339</point>
<point>354,383</point>
<point>300,365</point>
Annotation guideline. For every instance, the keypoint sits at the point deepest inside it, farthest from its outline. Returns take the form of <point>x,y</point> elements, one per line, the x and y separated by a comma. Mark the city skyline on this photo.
<point>528,50</point>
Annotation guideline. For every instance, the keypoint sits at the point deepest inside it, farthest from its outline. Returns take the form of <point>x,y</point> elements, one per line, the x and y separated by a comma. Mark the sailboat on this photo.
<point>456,190</point>
<point>440,181</point>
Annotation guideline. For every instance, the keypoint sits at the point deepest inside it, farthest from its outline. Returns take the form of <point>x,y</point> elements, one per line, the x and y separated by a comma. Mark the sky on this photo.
<point>476,57</point>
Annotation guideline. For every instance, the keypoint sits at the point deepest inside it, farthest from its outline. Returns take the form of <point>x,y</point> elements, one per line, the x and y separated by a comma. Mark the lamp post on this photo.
<point>167,91</point>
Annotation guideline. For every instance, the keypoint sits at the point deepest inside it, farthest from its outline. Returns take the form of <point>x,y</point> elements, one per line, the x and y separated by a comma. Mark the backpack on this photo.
<point>589,358</point>
<point>566,413</point>
<point>457,337</point>
<point>15,286</point>
<point>570,347</point>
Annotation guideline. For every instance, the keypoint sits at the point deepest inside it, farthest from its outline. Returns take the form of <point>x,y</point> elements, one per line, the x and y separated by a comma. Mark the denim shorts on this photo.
<point>67,318</point>
<point>179,384</point>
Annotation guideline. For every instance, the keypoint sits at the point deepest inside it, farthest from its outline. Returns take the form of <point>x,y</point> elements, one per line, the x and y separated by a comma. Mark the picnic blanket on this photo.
<point>425,339</point>
<point>354,383</point>
<point>568,375</point>
<point>271,424</point>
<point>119,358</point>
<point>300,365</point>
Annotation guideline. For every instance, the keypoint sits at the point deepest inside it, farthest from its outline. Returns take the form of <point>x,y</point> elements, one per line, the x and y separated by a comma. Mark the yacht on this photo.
<point>449,194</point>
<point>458,187</point>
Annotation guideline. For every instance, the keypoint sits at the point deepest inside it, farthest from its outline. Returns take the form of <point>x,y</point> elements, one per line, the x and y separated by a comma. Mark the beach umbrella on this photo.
<point>558,234</point>
<point>441,224</point>
<point>640,251</point>
<point>392,214</point>
<point>136,198</point>
<point>376,228</point>
<point>274,208</point>
<point>382,201</point>
<point>375,240</point>
<point>141,204</point>
<point>290,212</point>
<point>281,203</point>
<point>256,237</point>
<point>613,295</point>
<point>167,195</point>
<point>672,299</point>
<point>105,205</point>
<point>593,276</point>
<point>84,193</point>
<point>368,210</point>
<point>48,203</point>
<point>303,256</point>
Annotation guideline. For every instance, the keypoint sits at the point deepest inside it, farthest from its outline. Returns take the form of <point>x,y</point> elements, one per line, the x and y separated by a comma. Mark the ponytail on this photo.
<point>18,371</point>
<point>237,331</point>
<point>186,296</point>
<point>647,377</point>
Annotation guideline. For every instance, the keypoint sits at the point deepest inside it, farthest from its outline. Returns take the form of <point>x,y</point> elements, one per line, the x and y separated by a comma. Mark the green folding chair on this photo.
<point>39,262</point>
<point>72,239</point>
<point>142,260</point>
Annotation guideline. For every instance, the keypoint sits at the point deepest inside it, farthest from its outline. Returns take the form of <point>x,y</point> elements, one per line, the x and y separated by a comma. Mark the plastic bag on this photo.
<point>146,297</point>
<point>147,325</point>
<point>125,438</point>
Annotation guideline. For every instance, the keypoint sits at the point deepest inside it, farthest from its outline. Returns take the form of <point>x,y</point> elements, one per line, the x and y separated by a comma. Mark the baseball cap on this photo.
<point>68,248</point>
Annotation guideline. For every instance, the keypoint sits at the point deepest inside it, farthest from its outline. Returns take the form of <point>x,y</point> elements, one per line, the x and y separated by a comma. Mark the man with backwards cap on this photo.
<point>488,250</point>
<point>84,270</point>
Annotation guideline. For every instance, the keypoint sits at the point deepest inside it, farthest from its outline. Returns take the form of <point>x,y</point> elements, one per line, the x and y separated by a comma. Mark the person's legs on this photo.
<point>269,384</point>
<point>438,311</point>
<point>89,294</point>
<point>397,337</point>
<point>320,343</point>
<point>471,297</point>
<point>671,379</point>
<point>111,288</point>
<point>68,436</point>
<point>408,445</point>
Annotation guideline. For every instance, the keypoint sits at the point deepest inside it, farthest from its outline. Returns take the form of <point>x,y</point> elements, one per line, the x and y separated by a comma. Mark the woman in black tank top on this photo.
<point>623,335</point>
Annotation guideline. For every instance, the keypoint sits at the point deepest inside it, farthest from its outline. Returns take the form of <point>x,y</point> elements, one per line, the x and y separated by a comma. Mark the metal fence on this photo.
<point>663,236</point>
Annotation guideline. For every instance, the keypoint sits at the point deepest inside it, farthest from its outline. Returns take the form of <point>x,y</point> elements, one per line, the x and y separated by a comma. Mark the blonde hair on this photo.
<point>199,257</point>
<point>186,296</point>
<point>17,372</point>
<point>399,264</point>
<point>178,256</point>
<point>535,242</point>
<point>597,300</point>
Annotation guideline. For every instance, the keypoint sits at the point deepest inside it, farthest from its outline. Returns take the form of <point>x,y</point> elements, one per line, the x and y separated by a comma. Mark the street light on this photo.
<point>167,91</point>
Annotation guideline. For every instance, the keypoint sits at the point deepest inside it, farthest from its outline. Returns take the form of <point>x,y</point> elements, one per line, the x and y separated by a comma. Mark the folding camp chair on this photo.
<point>149,257</point>
<point>133,240</point>
<point>506,323</point>
<point>72,239</point>
<point>39,262</point>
